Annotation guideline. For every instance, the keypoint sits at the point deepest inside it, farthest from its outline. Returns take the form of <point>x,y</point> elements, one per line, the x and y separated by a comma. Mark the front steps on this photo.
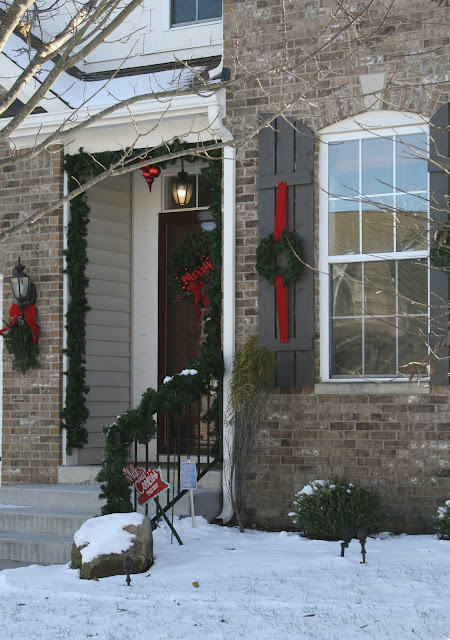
<point>38,522</point>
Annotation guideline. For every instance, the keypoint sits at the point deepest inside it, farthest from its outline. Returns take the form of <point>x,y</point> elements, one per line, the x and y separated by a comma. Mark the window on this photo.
<point>374,212</point>
<point>201,192</point>
<point>188,11</point>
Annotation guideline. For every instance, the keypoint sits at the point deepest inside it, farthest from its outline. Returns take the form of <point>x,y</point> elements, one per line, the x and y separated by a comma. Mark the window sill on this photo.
<point>194,23</point>
<point>365,388</point>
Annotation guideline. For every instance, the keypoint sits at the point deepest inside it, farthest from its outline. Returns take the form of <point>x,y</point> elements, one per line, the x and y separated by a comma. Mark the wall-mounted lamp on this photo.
<point>182,188</point>
<point>23,289</point>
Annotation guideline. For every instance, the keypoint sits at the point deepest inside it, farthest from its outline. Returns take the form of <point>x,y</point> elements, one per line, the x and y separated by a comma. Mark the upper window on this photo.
<point>188,11</point>
<point>375,284</point>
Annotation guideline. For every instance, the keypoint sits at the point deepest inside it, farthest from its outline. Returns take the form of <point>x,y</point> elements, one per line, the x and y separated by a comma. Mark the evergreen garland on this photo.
<point>75,413</point>
<point>19,343</point>
<point>173,396</point>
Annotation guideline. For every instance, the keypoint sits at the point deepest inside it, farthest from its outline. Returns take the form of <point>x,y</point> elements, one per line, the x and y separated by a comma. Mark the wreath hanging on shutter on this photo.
<point>266,260</point>
<point>266,257</point>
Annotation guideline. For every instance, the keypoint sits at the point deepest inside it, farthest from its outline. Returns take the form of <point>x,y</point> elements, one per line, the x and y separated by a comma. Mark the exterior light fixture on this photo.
<point>127,567</point>
<point>182,188</point>
<point>347,538</point>
<point>23,289</point>
<point>362,537</point>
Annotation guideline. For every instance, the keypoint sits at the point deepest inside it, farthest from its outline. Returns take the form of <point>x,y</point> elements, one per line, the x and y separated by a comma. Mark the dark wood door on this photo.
<point>179,333</point>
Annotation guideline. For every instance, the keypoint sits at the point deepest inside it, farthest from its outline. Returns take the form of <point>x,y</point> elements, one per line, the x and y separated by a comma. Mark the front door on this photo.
<point>179,331</point>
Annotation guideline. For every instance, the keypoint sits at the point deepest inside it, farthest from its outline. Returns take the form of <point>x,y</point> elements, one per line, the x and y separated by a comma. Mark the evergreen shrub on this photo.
<point>442,522</point>
<point>324,507</point>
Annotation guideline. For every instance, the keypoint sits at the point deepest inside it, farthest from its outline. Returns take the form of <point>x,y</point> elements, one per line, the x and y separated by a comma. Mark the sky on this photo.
<point>224,585</point>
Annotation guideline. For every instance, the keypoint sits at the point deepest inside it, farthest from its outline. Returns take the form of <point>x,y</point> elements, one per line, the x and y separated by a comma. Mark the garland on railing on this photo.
<point>138,423</point>
<point>177,393</point>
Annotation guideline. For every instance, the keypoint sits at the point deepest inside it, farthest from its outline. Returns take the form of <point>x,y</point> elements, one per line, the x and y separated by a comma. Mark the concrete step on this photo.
<point>37,548</point>
<point>41,520</point>
<point>38,522</point>
<point>59,496</point>
<point>87,474</point>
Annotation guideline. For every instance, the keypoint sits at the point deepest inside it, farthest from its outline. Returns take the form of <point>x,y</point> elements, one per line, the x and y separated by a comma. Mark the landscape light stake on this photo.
<point>347,538</point>
<point>127,565</point>
<point>362,537</point>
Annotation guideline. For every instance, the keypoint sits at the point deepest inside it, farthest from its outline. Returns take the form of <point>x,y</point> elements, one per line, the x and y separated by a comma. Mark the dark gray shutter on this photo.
<point>286,154</point>
<point>439,168</point>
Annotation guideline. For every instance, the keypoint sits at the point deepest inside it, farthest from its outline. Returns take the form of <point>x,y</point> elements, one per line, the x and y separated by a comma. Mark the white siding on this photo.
<point>108,330</point>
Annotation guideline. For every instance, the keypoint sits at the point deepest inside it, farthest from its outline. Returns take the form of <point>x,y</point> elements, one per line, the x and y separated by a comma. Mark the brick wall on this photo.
<point>32,402</point>
<point>293,53</point>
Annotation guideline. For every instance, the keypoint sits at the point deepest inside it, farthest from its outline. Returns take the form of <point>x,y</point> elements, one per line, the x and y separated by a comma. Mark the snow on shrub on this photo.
<point>442,522</point>
<point>324,507</point>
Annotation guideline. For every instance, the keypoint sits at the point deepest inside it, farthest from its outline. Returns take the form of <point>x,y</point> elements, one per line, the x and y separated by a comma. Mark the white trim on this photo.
<point>229,304</point>
<point>1,382</point>
<point>160,120</point>
<point>351,129</point>
<point>374,121</point>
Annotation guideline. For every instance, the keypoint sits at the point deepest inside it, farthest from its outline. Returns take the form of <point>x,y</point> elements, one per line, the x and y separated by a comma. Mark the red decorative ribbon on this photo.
<point>196,288</point>
<point>281,289</point>
<point>29,313</point>
<point>149,174</point>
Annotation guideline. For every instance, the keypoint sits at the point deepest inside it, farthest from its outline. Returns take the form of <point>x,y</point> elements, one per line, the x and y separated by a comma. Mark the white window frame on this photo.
<point>193,22</point>
<point>367,125</point>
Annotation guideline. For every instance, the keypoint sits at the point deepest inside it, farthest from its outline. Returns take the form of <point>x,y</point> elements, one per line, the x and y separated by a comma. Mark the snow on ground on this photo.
<point>265,586</point>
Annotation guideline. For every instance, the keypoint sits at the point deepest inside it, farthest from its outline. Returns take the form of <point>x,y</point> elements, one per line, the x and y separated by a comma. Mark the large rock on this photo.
<point>102,543</point>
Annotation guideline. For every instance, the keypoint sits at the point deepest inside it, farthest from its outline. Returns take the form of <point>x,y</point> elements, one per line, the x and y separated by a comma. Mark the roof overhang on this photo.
<point>150,123</point>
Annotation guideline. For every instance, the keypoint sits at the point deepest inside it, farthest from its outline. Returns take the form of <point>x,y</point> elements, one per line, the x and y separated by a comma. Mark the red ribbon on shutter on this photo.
<point>29,313</point>
<point>281,289</point>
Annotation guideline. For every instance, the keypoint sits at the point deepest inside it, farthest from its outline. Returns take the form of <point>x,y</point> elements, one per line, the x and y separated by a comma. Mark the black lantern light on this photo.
<point>182,188</point>
<point>21,285</point>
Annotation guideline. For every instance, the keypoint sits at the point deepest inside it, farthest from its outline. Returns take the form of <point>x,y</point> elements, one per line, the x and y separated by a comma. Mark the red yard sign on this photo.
<point>148,483</point>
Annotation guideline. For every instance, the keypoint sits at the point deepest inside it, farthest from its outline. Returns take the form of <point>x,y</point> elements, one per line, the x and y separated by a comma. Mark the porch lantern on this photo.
<point>182,188</point>
<point>20,284</point>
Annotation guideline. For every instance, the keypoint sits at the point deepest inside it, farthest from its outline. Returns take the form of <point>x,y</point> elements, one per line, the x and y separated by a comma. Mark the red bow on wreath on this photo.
<point>29,314</point>
<point>196,288</point>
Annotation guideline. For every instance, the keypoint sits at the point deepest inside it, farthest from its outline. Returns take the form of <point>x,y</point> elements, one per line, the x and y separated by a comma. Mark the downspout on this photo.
<point>228,267</point>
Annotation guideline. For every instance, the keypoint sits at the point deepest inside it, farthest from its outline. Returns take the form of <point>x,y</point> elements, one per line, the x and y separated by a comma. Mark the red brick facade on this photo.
<point>398,441</point>
<point>32,402</point>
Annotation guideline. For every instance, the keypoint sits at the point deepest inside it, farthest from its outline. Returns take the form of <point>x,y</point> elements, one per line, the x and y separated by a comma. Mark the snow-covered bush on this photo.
<point>442,522</point>
<point>324,507</point>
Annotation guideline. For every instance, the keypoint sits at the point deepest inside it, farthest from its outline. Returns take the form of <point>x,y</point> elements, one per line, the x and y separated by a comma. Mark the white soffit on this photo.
<point>153,121</point>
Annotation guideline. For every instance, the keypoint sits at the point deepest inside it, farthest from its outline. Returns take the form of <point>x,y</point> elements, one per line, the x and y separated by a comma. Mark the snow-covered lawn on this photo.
<point>254,586</point>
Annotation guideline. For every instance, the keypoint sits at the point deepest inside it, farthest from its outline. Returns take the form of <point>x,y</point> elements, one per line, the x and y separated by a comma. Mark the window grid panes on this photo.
<point>188,11</point>
<point>378,215</point>
<point>201,193</point>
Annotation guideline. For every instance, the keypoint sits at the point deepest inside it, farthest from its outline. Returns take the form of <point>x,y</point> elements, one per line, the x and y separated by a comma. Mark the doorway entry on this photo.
<point>179,331</point>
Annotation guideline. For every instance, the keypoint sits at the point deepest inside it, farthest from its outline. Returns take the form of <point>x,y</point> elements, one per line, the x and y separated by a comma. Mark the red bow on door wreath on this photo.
<point>280,240</point>
<point>194,285</point>
<point>29,314</point>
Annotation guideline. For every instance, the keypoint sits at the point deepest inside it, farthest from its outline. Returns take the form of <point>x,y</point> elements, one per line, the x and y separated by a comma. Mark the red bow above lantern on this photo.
<point>29,314</point>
